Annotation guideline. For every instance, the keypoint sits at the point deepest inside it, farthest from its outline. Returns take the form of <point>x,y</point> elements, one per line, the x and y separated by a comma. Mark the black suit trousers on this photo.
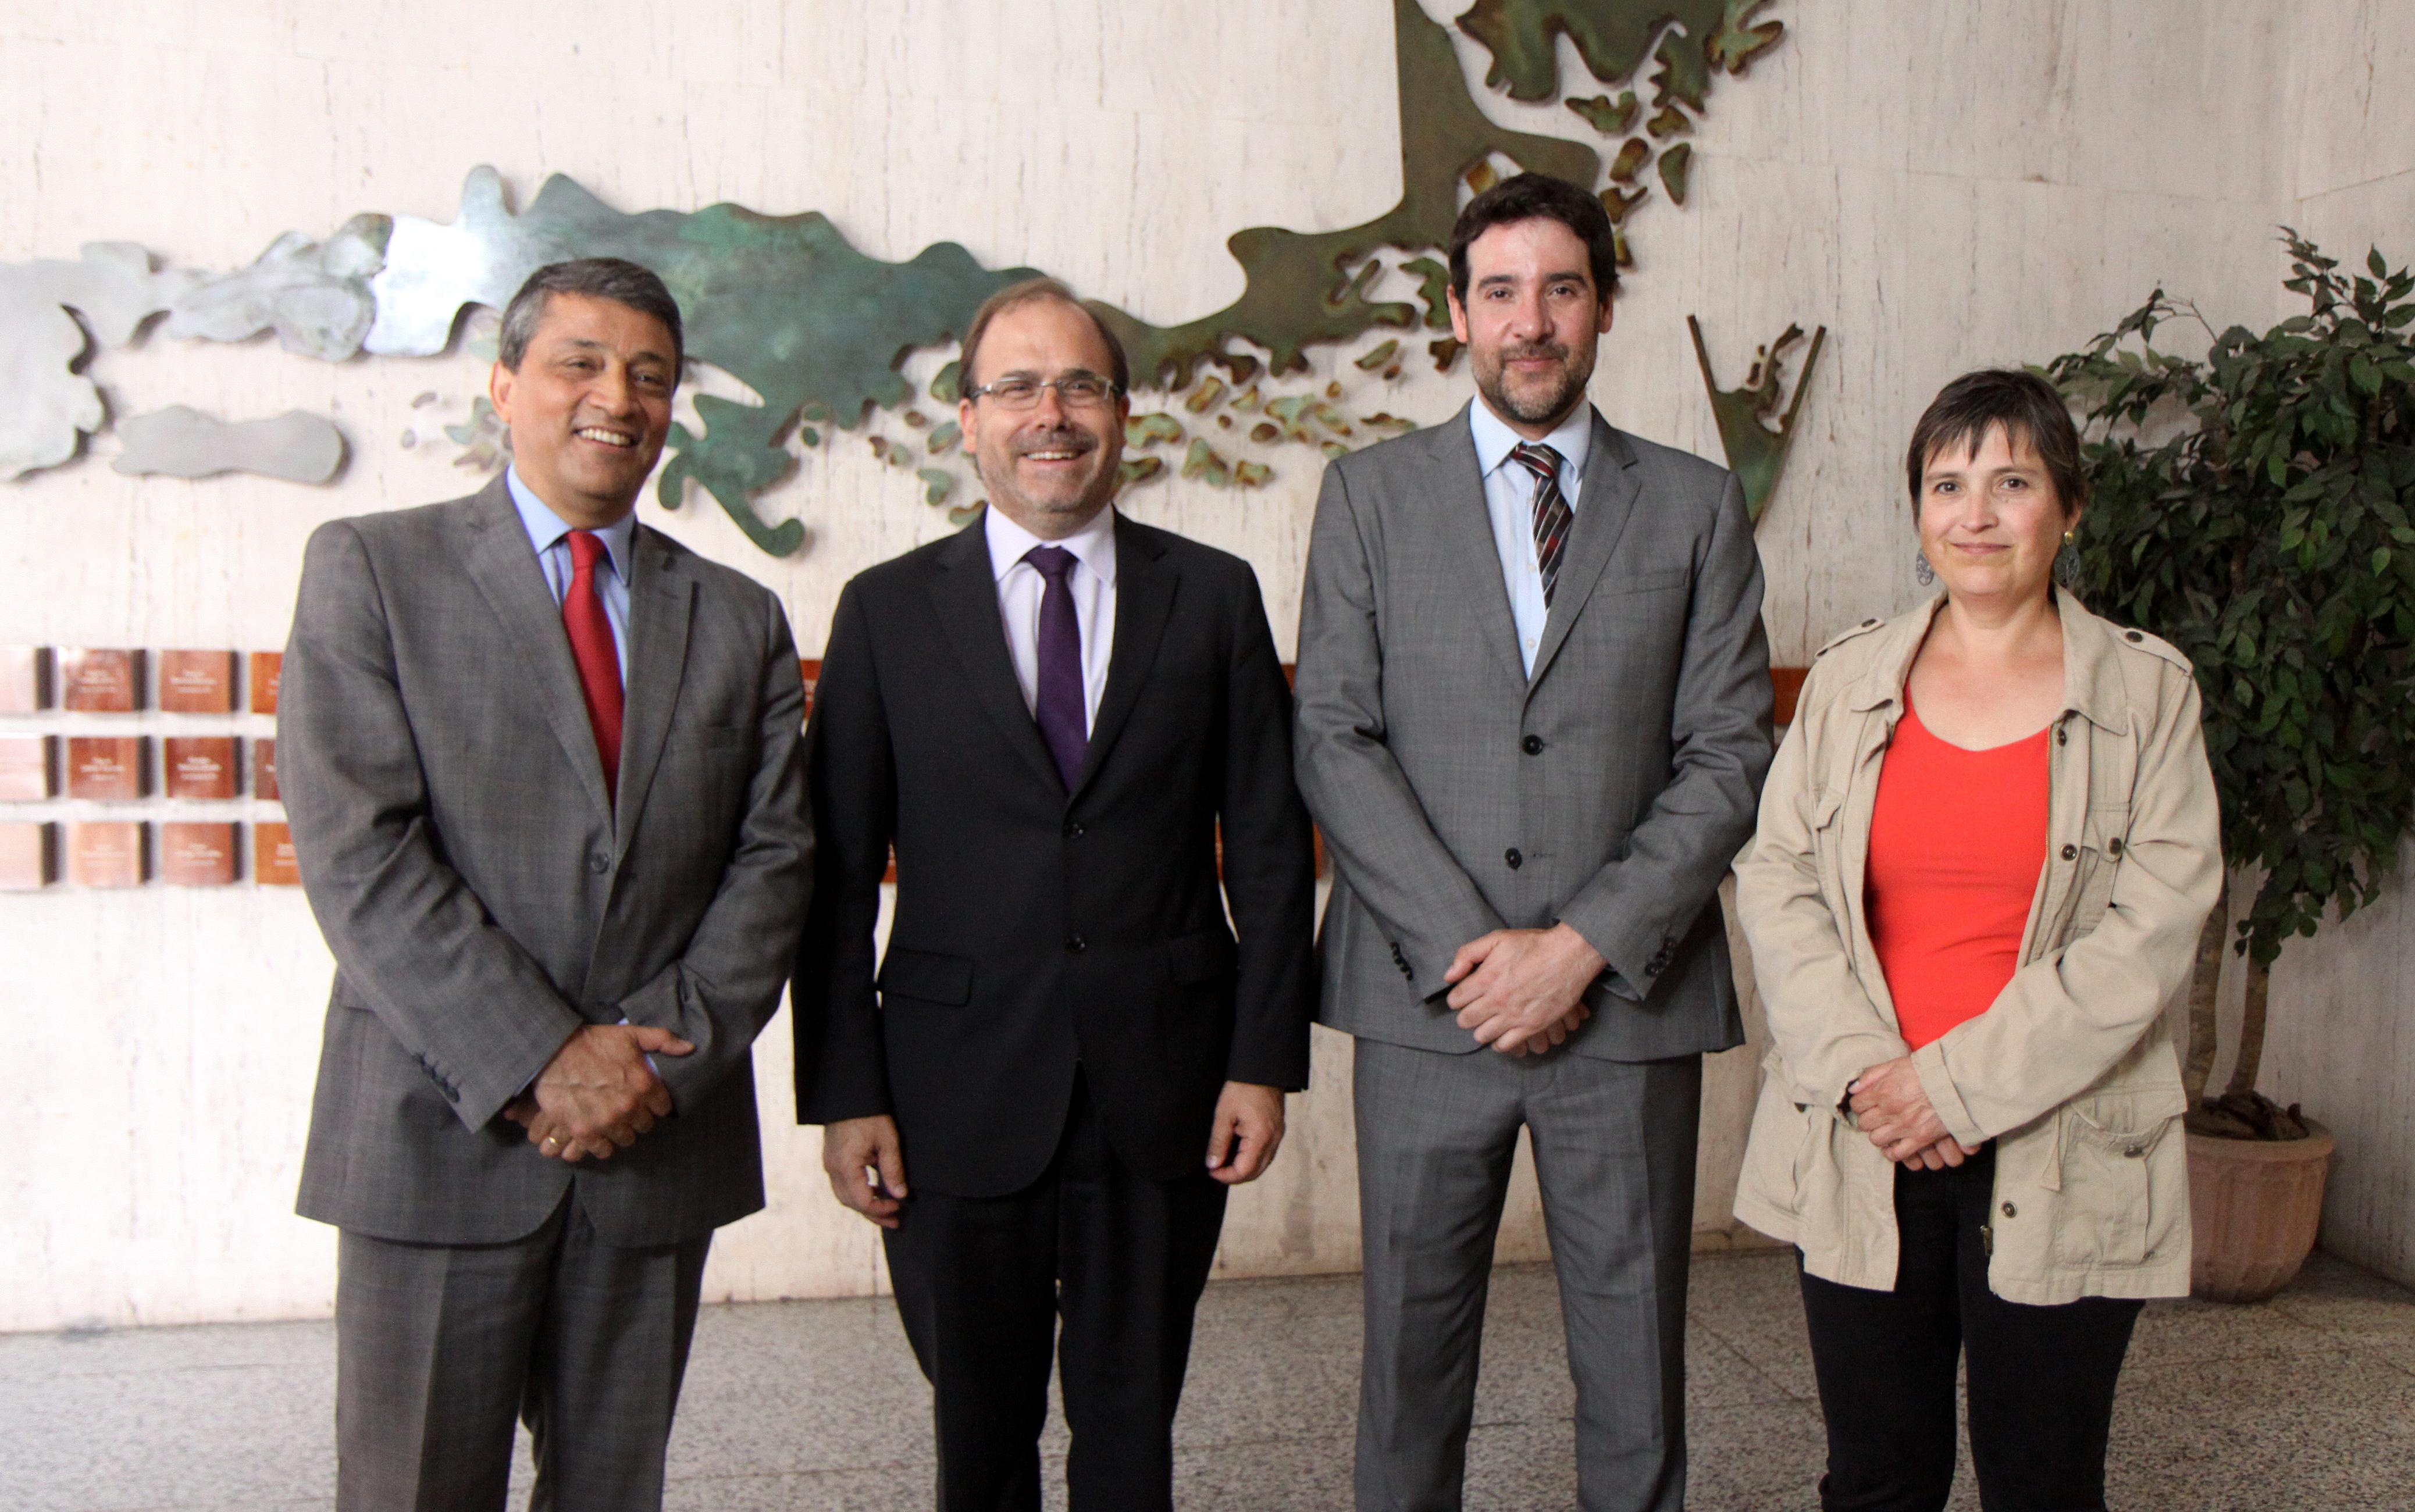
<point>2041,1378</point>
<point>1104,1263</point>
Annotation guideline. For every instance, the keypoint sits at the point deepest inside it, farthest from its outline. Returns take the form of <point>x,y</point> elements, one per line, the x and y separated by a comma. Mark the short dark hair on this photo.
<point>1016,295</point>
<point>615,278</point>
<point>2029,409</point>
<point>1537,197</point>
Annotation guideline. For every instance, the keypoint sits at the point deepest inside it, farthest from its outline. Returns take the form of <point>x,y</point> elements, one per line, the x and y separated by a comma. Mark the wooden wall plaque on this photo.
<point>263,769</point>
<point>28,857</point>
<point>271,857</point>
<point>106,853</point>
<point>197,681</point>
<point>28,767</point>
<point>201,766</point>
<point>25,678</point>
<point>265,665</point>
<point>109,769</point>
<point>197,855</point>
<point>99,681</point>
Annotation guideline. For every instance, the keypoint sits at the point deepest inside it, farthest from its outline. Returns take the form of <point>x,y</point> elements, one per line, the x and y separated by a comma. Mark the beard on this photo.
<point>1068,496</point>
<point>1540,401</point>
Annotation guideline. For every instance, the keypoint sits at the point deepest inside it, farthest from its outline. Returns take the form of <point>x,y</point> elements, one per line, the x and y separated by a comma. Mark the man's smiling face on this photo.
<point>1053,467</point>
<point>589,406</point>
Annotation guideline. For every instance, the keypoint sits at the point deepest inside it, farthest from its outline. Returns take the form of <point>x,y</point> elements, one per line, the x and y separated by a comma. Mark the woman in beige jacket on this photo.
<point>1986,850</point>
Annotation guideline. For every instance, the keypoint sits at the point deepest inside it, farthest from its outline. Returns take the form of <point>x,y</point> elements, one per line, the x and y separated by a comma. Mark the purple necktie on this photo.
<point>1061,707</point>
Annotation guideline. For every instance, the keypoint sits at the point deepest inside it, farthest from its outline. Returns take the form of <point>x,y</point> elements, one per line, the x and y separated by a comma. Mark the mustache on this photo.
<point>1060,439</point>
<point>1556,349</point>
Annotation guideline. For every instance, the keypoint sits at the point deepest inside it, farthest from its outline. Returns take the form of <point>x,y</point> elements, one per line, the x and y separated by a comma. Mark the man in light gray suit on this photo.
<point>542,768</point>
<point>1534,710</point>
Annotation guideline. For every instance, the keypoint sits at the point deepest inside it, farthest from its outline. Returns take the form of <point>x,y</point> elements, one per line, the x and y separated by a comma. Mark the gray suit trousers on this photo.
<point>1614,1154</point>
<point>439,1346</point>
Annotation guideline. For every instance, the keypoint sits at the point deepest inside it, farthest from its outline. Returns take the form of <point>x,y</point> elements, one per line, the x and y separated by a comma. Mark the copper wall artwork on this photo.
<point>28,767</point>
<point>90,773</point>
<point>25,678</point>
<point>820,330</point>
<point>197,855</point>
<point>99,681</point>
<point>197,681</point>
<point>28,856</point>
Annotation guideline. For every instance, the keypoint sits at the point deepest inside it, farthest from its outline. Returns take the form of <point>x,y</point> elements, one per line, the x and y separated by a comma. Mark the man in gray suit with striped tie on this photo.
<point>545,775</point>
<point>1531,781</point>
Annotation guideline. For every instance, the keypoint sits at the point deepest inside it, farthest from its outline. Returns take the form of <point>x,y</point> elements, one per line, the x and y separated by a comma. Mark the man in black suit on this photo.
<point>1051,716</point>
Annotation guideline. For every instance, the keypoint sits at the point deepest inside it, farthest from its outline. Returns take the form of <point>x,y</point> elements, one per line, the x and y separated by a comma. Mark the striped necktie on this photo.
<point>1552,515</point>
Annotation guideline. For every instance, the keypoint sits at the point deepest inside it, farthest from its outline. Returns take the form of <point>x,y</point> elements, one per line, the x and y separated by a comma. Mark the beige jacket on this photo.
<point>2071,1070</point>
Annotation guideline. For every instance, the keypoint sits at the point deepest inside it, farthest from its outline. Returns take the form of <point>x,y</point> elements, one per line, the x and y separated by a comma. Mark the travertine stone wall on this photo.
<point>2343,1005</point>
<point>1941,186</point>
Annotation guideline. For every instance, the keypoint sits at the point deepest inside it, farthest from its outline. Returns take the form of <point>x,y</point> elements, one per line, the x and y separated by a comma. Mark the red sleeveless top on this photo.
<point>1958,843</point>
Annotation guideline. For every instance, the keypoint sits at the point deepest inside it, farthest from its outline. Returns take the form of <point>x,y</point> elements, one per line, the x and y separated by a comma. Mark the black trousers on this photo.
<point>2041,1378</point>
<point>982,1283</point>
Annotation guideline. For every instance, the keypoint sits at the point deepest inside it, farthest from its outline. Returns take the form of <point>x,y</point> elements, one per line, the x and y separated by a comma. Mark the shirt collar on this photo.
<point>2091,676</point>
<point>545,529</point>
<point>1494,440</point>
<point>1093,545</point>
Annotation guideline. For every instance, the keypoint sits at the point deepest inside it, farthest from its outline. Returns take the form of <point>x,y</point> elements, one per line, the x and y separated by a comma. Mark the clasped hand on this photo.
<point>1892,1107</point>
<point>865,1160</point>
<point>1522,990</point>
<point>597,1094</point>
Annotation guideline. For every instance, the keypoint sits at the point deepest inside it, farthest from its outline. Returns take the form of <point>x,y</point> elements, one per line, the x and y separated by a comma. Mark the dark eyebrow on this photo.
<point>580,343</point>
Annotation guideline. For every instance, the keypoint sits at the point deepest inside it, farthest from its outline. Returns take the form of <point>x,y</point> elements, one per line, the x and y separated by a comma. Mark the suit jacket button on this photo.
<point>2113,846</point>
<point>1532,745</point>
<point>2071,853</point>
<point>1073,830</point>
<point>1512,856</point>
<point>599,863</point>
<point>1075,945</point>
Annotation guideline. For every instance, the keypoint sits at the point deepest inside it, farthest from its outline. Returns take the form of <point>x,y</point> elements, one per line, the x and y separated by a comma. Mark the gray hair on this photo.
<point>618,279</point>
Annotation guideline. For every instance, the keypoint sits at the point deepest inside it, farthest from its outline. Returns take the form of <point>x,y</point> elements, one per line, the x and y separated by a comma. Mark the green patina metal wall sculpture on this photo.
<point>822,332</point>
<point>1751,431</point>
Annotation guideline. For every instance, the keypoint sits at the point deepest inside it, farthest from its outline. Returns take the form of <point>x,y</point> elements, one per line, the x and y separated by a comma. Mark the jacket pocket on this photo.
<point>1647,582</point>
<point>2103,840</point>
<point>2123,1192</point>
<point>1195,958</point>
<point>926,976</point>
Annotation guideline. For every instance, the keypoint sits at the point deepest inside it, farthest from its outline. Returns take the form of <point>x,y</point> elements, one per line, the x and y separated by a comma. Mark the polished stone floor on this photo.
<point>2304,1403</point>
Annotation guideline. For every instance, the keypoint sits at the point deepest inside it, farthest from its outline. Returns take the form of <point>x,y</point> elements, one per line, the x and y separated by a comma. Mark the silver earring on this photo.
<point>1922,570</point>
<point>2067,563</point>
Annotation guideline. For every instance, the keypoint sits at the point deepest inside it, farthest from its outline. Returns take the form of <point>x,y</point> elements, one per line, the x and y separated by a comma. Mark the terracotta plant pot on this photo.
<point>2253,1208</point>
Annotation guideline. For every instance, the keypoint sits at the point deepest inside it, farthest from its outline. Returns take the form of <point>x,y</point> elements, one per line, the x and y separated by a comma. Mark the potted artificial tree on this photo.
<point>2253,507</point>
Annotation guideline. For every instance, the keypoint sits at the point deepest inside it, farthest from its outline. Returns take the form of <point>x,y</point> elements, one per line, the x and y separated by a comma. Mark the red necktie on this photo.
<point>591,648</point>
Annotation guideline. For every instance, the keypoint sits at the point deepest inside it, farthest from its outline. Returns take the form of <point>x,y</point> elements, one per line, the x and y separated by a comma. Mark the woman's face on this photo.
<point>1989,522</point>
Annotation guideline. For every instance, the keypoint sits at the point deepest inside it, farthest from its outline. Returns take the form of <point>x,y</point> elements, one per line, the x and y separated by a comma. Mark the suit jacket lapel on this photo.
<point>662,599</point>
<point>507,575</point>
<point>1604,505</point>
<point>1467,530</point>
<point>965,592</point>
<point>1145,588</point>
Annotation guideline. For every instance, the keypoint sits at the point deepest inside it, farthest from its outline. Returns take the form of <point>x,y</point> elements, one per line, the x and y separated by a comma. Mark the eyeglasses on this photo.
<point>1075,391</point>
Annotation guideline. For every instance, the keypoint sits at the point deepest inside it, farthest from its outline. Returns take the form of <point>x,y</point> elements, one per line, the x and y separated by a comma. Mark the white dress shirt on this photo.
<point>1510,500</point>
<point>1020,588</point>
